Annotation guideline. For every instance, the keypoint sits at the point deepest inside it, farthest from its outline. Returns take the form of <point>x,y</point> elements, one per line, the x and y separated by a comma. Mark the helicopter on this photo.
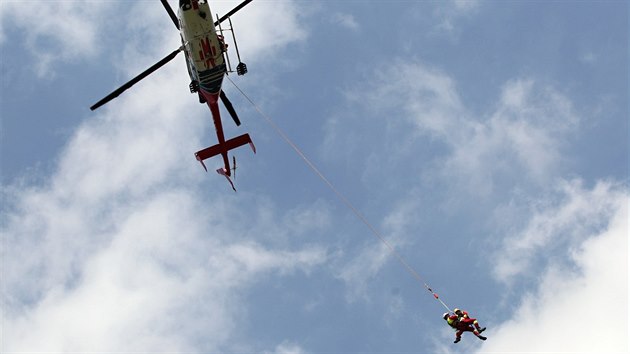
<point>207,62</point>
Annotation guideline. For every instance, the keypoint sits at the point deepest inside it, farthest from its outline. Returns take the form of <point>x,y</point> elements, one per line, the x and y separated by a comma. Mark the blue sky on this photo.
<point>487,141</point>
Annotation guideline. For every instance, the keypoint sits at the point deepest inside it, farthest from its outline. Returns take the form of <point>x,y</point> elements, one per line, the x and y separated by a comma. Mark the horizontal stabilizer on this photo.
<point>224,148</point>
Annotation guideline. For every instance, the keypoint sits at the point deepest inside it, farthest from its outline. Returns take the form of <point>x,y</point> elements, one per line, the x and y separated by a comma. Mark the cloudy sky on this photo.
<point>486,141</point>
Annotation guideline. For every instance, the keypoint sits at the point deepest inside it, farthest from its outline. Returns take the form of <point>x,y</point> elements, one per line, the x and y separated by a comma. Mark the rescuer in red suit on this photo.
<point>462,324</point>
<point>465,318</point>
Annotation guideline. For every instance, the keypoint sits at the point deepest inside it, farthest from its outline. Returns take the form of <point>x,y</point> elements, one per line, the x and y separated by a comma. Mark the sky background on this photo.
<point>486,141</point>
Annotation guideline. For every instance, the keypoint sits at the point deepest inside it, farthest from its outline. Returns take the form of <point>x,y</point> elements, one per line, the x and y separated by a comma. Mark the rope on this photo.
<point>345,200</point>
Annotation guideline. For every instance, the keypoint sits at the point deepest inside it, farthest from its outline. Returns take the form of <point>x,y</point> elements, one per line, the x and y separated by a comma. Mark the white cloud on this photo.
<point>523,135</point>
<point>138,274</point>
<point>380,118</point>
<point>556,225</point>
<point>162,283</point>
<point>56,30</point>
<point>287,347</point>
<point>264,29</point>
<point>450,13</point>
<point>345,20</point>
<point>591,292</point>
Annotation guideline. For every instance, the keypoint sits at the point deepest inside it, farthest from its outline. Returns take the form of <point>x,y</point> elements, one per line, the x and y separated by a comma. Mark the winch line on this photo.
<point>342,197</point>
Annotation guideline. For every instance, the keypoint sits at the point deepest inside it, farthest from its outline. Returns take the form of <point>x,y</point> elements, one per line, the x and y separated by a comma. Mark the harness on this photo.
<point>452,322</point>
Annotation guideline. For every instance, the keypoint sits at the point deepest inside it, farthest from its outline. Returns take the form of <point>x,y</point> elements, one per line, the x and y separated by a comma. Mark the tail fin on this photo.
<point>221,171</point>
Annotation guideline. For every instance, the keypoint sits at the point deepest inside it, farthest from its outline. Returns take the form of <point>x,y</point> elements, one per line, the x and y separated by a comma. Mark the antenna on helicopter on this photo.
<point>241,68</point>
<point>234,168</point>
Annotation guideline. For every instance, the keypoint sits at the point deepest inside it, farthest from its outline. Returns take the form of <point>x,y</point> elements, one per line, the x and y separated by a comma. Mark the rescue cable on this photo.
<point>345,200</point>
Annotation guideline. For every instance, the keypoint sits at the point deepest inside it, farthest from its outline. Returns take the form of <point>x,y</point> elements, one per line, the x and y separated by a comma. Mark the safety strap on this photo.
<point>437,297</point>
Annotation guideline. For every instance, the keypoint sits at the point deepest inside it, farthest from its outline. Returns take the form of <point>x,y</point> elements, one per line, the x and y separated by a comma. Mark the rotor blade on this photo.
<point>234,10</point>
<point>170,12</point>
<point>135,80</point>
<point>230,108</point>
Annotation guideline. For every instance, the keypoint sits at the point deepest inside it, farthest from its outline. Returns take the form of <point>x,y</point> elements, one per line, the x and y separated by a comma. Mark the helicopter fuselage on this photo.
<point>202,47</point>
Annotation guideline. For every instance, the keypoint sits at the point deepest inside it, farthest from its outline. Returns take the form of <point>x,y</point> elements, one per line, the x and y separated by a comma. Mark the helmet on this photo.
<point>457,311</point>
<point>445,315</point>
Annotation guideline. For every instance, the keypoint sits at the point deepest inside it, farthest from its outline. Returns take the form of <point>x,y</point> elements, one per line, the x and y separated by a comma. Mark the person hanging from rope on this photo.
<point>461,326</point>
<point>465,318</point>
